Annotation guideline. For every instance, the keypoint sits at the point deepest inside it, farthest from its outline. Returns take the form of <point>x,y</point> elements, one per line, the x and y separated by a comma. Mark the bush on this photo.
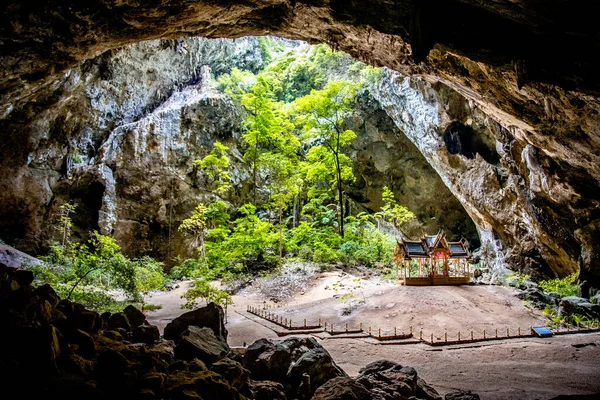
<point>149,274</point>
<point>253,244</point>
<point>566,286</point>
<point>85,272</point>
<point>191,268</point>
<point>207,292</point>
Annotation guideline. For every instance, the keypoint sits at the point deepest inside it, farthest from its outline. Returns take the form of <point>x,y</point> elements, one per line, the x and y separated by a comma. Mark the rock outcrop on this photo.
<point>531,67</point>
<point>522,207</point>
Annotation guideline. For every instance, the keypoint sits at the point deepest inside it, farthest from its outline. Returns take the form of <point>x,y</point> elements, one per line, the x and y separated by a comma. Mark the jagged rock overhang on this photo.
<point>547,41</point>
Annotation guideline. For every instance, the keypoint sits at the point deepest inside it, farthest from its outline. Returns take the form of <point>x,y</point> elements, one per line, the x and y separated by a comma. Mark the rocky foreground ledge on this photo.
<point>53,347</point>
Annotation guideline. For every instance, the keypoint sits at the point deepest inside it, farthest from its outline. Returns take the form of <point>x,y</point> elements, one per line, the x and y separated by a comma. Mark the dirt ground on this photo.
<point>525,368</point>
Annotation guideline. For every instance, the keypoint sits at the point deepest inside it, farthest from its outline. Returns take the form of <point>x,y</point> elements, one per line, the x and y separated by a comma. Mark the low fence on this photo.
<point>469,336</point>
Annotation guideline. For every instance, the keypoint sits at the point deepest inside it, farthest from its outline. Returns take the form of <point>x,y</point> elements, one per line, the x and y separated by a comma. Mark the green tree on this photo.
<point>65,223</point>
<point>392,211</point>
<point>321,116</point>
<point>195,226</point>
<point>215,166</point>
<point>105,257</point>
<point>202,218</point>
<point>204,290</point>
<point>268,131</point>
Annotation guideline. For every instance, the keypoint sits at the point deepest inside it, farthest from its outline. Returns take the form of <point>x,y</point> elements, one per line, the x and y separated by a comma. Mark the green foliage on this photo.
<point>363,244</point>
<point>575,320</point>
<point>207,292</point>
<point>297,72</point>
<point>320,115</point>
<point>392,211</point>
<point>215,165</point>
<point>191,268</point>
<point>85,272</point>
<point>566,286</point>
<point>294,140</point>
<point>236,83</point>
<point>251,244</point>
<point>516,278</point>
<point>149,274</point>
<point>65,224</point>
<point>272,146</point>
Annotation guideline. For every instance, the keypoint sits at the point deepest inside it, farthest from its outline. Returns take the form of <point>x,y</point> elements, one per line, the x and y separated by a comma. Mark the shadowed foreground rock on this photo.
<point>53,346</point>
<point>210,316</point>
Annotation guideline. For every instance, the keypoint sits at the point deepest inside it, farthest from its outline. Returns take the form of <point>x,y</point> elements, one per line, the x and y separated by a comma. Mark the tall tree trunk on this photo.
<point>295,210</point>
<point>254,167</point>
<point>340,194</point>
<point>202,248</point>
<point>280,235</point>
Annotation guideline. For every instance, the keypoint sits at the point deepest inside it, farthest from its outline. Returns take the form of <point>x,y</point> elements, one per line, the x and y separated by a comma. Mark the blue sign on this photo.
<point>542,331</point>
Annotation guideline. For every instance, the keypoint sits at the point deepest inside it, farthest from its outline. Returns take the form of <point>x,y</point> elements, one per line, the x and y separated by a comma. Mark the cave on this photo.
<point>485,119</point>
<point>461,139</point>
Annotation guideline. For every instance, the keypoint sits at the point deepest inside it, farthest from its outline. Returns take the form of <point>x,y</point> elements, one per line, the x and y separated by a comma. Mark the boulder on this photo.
<point>461,395</point>
<point>84,342</point>
<point>578,305</point>
<point>538,298</point>
<point>210,316</point>
<point>271,360</point>
<point>426,392</point>
<point>201,343</point>
<point>45,292</point>
<point>286,361</point>
<point>147,334</point>
<point>196,365</point>
<point>235,374</point>
<point>114,335</point>
<point>24,277</point>
<point>118,321</point>
<point>341,388</point>
<point>153,381</point>
<point>134,316</point>
<point>177,365</point>
<point>114,373</point>
<point>205,385</point>
<point>40,311</point>
<point>318,364</point>
<point>267,390</point>
<point>164,349</point>
<point>388,380</point>
<point>86,320</point>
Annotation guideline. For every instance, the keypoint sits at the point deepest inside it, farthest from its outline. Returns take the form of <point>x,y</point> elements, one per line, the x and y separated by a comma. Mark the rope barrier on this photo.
<point>265,311</point>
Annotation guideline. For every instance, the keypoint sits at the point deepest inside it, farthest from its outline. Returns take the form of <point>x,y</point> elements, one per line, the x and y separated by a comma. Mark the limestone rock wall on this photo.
<point>524,210</point>
<point>54,148</point>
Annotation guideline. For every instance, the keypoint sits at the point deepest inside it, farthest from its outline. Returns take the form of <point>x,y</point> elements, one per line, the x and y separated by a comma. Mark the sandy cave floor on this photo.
<point>524,368</point>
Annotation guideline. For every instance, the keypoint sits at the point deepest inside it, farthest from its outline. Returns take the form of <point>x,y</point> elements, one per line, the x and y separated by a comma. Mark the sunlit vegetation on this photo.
<point>295,143</point>
<point>92,273</point>
<point>566,286</point>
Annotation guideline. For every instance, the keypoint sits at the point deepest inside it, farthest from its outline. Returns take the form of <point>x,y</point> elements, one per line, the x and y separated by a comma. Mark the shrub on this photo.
<point>85,272</point>
<point>207,292</point>
<point>566,286</point>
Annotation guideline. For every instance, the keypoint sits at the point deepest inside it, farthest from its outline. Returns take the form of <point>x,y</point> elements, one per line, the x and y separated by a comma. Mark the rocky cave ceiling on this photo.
<point>529,65</point>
